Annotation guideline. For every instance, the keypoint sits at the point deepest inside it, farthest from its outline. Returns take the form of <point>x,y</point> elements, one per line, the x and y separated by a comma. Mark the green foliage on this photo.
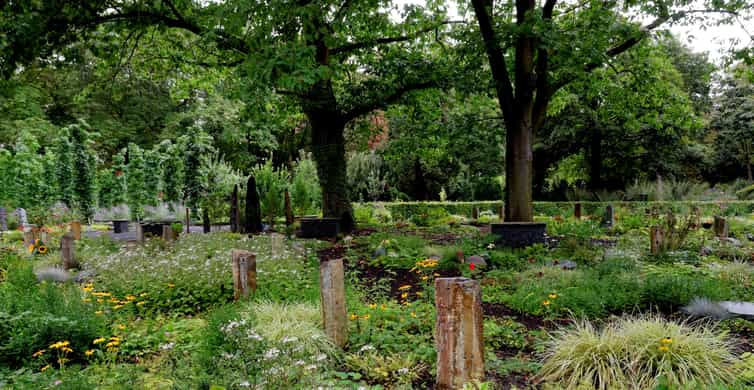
<point>306,195</point>
<point>504,334</point>
<point>85,170</point>
<point>271,185</point>
<point>640,353</point>
<point>173,172</point>
<point>217,181</point>
<point>137,194</point>
<point>153,176</point>
<point>64,168</point>
<point>37,315</point>
<point>366,176</point>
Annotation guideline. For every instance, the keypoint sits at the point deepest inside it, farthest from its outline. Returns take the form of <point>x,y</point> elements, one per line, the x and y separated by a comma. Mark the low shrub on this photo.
<point>638,353</point>
<point>34,316</point>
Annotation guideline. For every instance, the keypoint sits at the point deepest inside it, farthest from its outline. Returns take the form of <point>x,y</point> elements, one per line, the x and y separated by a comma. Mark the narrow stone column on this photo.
<point>721,227</point>
<point>188,221</point>
<point>577,210</point>
<point>234,214</point>
<point>167,233</point>
<point>139,232</point>
<point>333,300</point>
<point>76,230</point>
<point>67,252</point>
<point>656,239</point>
<point>458,332</point>
<point>244,264</point>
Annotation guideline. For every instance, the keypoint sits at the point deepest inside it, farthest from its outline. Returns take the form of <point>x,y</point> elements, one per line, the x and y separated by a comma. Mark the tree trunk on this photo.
<point>328,150</point>
<point>205,220</point>
<point>518,173</point>
<point>595,160</point>
<point>253,215</point>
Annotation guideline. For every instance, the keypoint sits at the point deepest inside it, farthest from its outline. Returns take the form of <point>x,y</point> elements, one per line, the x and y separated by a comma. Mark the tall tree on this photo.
<point>338,60</point>
<point>551,45</point>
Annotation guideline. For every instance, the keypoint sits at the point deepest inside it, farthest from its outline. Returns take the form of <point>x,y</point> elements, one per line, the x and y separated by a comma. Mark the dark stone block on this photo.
<point>153,228</point>
<point>319,227</point>
<point>120,226</point>
<point>519,234</point>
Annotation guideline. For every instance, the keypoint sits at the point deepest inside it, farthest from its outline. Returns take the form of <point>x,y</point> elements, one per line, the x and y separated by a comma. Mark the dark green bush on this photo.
<point>33,316</point>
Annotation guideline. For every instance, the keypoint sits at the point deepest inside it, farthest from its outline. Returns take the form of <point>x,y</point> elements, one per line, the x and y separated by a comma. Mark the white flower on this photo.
<point>311,367</point>
<point>167,346</point>
<point>403,371</point>
<point>300,362</point>
<point>321,357</point>
<point>244,384</point>
<point>287,339</point>
<point>367,347</point>
<point>491,246</point>
<point>271,353</point>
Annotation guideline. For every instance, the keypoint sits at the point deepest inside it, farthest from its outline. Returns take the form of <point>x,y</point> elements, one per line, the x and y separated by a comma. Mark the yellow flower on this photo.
<point>366,316</point>
<point>372,305</point>
<point>112,344</point>
<point>131,298</point>
<point>39,353</point>
<point>101,294</point>
<point>383,307</point>
<point>663,348</point>
<point>143,294</point>
<point>100,300</point>
<point>98,312</point>
<point>121,326</point>
<point>413,314</point>
<point>406,303</point>
<point>667,340</point>
<point>86,300</point>
<point>419,294</point>
<point>546,302</point>
<point>116,307</point>
<point>436,274</point>
<point>114,338</point>
<point>99,340</point>
<point>45,368</point>
<point>42,249</point>
<point>404,287</point>
<point>404,295</point>
<point>552,296</point>
<point>425,277</point>
<point>141,303</point>
<point>354,316</point>
<point>171,285</point>
<point>31,248</point>
<point>89,352</point>
<point>67,350</point>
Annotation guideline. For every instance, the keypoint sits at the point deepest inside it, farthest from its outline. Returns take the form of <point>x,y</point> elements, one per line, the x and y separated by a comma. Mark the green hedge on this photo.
<point>404,210</point>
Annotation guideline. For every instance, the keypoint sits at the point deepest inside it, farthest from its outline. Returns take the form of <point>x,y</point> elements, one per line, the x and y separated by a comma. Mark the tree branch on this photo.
<point>503,87</point>
<point>350,47</point>
<point>384,101</point>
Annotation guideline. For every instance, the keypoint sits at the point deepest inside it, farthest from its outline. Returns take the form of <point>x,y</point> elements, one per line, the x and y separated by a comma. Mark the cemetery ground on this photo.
<point>640,304</point>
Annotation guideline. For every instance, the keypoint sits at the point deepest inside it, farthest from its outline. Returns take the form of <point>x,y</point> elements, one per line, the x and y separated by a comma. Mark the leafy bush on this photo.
<point>33,316</point>
<point>366,179</point>
<point>271,184</point>
<point>306,194</point>
<point>638,353</point>
<point>669,291</point>
<point>389,370</point>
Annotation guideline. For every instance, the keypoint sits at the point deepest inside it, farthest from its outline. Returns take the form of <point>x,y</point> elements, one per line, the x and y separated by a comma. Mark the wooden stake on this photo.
<point>288,209</point>
<point>244,264</point>
<point>333,300</point>
<point>67,252</point>
<point>577,210</point>
<point>656,239</point>
<point>76,230</point>
<point>188,221</point>
<point>458,332</point>
<point>721,227</point>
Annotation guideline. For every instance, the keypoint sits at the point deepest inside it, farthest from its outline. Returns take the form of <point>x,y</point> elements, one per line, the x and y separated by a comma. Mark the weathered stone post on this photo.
<point>577,210</point>
<point>333,300</point>
<point>288,209</point>
<point>76,230</point>
<point>167,233</point>
<point>234,216</point>
<point>458,332</point>
<point>656,238</point>
<point>139,232</point>
<point>67,252</point>
<point>253,213</point>
<point>721,227</point>
<point>244,264</point>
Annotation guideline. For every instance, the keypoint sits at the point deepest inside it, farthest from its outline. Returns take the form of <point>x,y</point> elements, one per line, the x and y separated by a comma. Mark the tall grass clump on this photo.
<point>639,353</point>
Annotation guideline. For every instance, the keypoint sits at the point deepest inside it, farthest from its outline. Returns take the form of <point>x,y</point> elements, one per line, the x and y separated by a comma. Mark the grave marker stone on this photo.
<point>244,265</point>
<point>333,298</point>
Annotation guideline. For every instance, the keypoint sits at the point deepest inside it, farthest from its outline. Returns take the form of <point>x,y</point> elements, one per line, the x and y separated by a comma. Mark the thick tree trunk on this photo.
<point>328,150</point>
<point>518,173</point>
<point>595,160</point>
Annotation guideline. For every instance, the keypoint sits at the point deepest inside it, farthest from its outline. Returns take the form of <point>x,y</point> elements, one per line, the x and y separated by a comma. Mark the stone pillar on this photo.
<point>577,210</point>
<point>76,230</point>
<point>67,252</point>
<point>288,209</point>
<point>139,232</point>
<point>458,332</point>
<point>167,233</point>
<point>609,219</point>
<point>3,219</point>
<point>656,238</point>
<point>188,221</point>
<point>721,227</point>
<point>333,300</point>
<point>253,213</point>
<point>244,264</point>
